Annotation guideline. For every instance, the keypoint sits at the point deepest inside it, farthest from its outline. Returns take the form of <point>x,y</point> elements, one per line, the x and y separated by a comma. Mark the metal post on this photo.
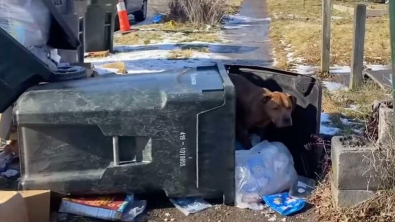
<point>356,79</point>
<point>326,35</point>
<point>392,28</point>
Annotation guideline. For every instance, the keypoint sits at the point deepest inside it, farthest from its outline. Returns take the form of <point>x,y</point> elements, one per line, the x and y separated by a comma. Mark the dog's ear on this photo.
<point>266,98</point>
<point>293,99</point>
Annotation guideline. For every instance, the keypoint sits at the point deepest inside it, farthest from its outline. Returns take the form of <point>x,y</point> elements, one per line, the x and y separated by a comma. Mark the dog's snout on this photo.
<point>287,121</point>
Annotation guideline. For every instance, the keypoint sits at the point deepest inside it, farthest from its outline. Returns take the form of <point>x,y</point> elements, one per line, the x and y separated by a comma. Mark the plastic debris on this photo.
<point>266,169</point>
<point>159,18</point>
<point>284,204</point>
<point>10,173</point>
<point>190,205</point>
<point>302,188</point>
<point>5,159</point>
<point>114,208</point>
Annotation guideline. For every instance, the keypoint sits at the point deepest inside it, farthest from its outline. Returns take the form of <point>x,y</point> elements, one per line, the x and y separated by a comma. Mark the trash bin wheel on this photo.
<point>68,73</point>
<point>141,15</point>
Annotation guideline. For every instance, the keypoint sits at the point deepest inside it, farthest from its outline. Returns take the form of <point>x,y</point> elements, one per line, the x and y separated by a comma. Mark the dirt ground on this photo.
<point>160,209</point>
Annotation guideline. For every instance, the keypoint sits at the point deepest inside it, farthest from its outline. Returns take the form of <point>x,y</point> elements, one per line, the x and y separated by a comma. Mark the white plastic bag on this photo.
<point>267,168</point>
<point>28,21</point>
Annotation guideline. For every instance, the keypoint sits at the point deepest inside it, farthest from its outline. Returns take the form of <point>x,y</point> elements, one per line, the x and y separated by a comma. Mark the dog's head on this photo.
<point>279,106</point>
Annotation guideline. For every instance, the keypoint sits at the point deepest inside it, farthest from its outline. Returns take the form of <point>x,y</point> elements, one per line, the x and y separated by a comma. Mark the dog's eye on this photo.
<point>275,108</point>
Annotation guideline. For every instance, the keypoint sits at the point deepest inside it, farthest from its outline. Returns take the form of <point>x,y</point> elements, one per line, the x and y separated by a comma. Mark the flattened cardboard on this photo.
<point>37,204</point>
<point>12,207</point>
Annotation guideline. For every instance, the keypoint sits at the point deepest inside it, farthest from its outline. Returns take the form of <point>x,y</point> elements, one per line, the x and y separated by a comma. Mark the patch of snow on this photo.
<point>238,26</point>
<point>344,121</point>
<point>151,58</point>
<point>389,78</point>
<point>325,127</point>
<point>304,69</point>
<point>337,17</point>
<point>340,69</point>
<point>334,86</point>
<point>353,107</point>
<point>378,67</point>
<point>238,19</point>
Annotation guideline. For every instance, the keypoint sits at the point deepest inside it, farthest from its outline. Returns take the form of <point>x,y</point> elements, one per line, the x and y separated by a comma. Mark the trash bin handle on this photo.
<point>115,150</point>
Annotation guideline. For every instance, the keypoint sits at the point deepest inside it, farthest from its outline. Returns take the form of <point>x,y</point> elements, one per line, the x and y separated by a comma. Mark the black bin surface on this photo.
<point>73,12</point>
<point>100,25</point>
<point>171,131</point>
<point>306,117</point>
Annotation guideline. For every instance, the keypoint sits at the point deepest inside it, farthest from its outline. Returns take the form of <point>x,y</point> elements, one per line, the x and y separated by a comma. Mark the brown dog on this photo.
<point>258,107</point>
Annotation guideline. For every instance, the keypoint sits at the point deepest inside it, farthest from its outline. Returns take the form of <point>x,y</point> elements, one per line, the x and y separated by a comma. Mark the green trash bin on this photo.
<point>99,25</point>
<point>73,11</point>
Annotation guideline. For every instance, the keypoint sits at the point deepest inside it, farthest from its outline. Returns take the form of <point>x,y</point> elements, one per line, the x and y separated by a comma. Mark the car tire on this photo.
<point>141,15</point>
<point>68,73</point>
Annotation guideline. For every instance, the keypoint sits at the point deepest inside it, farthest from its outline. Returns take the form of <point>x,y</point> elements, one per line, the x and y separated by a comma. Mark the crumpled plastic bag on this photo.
<point>27,21</point>
<point>266,169</point>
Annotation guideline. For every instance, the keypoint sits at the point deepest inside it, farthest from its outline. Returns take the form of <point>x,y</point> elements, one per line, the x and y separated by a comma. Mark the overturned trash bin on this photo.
<point>171,131</point>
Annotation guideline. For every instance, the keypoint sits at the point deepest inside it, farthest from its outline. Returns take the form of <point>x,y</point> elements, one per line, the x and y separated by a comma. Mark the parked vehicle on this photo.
<point>136,7</point>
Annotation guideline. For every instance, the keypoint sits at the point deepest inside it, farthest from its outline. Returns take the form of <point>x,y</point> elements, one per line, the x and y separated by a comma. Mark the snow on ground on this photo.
<point>151,58</point>
<point>378,67</point>
<point>325,127</point>
<point>334,86</point>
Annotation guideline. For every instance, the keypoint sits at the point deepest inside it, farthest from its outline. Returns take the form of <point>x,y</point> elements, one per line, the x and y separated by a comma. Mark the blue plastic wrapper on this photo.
<point>159,18</point>
<point>284,204</point>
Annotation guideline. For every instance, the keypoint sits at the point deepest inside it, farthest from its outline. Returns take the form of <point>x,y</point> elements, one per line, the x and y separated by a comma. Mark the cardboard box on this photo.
<point>12,207</point>
<point>25,206</point>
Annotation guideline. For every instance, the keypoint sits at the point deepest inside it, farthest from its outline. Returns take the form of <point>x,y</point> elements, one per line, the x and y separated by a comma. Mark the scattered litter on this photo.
<point>284,204</point>
<point>10,173</point>
<point>265,169</point>
<point>159,19</point>
<point>5,159</point>
<point>274,218</point>
<point>190,205</point>
<point>302,188</point>
<point>114,208</point>
<point>284,219</point>
<point>99,54</point>
<point>167,215</point>
<point>117,67</point>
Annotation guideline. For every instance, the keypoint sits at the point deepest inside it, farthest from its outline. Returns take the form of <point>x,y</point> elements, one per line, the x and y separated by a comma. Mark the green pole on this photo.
<point>392,29</point>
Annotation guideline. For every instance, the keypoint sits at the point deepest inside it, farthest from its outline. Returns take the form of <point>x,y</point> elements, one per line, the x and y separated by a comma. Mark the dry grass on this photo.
<point>176,26</point>
<point>381,207</point>
<point>201,37</point>
<point>369,5</point>
<point>233,6</point>
<point>138,38</point>
<point>197,48</point>
<point>208,12</point>
<point>180,54</point>
<point>299,24</point>
<point>340,101</point>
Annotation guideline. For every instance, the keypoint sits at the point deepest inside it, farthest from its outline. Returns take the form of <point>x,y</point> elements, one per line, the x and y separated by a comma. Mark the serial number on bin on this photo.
<point>183,150</point>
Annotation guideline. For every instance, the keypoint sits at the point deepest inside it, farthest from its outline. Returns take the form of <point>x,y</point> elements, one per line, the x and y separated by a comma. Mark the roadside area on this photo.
<point>296,37</point>
<point>242,39</point>
<point>279,34</point>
